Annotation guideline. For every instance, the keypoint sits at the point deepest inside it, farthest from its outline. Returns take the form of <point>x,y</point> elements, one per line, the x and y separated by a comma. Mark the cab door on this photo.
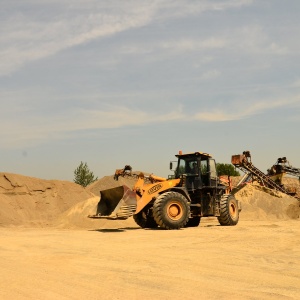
<point>213,172</point>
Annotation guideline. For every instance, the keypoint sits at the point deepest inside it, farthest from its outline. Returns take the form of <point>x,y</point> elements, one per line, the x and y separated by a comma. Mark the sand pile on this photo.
<point>33,202</point>
<point>76,217</point>
<point>260,203</point>
<point>292,183</point>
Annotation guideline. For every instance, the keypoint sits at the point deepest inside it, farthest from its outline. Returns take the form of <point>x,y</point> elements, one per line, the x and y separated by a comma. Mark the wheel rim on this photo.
<point>232,209</point>
<point>174,210</point>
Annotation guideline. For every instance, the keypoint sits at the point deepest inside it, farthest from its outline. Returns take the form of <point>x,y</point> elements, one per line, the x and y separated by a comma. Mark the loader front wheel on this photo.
<point>229,211</point>
<point>145,218</point>
<point>171,210</point>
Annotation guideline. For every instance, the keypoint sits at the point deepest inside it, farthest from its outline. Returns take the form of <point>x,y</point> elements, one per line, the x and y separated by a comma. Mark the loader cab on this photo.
<point>198,170</point>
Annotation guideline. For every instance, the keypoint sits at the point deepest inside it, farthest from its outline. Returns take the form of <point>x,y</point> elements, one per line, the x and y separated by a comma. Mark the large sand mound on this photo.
<point>33,202</point>
<point>76,216</point>
<point>291,183</point>
<point>259,203</point>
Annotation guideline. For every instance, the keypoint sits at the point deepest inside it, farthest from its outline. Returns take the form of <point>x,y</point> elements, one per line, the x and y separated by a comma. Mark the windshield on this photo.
<point>187,166</point>
<point>190,166</point>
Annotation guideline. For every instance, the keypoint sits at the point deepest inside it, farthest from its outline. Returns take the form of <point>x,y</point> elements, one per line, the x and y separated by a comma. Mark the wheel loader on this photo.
<point>193,192</point>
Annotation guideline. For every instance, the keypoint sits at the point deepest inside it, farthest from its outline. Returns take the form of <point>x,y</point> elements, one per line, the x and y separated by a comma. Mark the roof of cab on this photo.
<point>203,154</point>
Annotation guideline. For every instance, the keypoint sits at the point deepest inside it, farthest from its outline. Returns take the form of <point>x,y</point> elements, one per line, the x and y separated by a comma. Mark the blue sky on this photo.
<point>133,82</point>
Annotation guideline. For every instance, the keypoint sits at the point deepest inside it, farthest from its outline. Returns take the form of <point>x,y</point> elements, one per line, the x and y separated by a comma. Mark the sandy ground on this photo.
<point>49,249</point>
<point>253,260</point>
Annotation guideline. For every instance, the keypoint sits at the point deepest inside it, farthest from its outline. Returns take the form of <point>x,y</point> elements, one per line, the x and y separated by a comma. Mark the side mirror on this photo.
<point>171,165</point>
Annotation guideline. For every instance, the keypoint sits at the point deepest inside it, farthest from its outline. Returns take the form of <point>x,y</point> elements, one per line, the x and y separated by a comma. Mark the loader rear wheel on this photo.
<point>145,218</point>
<point>229,213</point>
<point>193,222</point>
<point>171,210</point>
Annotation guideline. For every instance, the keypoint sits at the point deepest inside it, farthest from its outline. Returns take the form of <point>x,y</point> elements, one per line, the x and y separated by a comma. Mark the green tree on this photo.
<point>227,169</point>
<point>83,175</point>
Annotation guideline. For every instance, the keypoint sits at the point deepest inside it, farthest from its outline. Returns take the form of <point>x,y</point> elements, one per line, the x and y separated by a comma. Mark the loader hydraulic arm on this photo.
<point>126,171</point>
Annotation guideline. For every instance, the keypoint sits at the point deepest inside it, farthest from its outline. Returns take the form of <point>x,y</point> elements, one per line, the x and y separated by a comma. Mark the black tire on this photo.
<point>229,214</point>
<point>171,210</point>
<point>145,218</point>
<point>193,222</point>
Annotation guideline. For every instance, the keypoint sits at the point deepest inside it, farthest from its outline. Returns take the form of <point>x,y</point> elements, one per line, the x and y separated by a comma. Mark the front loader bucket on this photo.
<point>116,203</point>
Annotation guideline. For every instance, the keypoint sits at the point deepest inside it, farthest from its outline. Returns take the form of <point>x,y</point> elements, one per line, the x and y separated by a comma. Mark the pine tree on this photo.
<point>83,175</point>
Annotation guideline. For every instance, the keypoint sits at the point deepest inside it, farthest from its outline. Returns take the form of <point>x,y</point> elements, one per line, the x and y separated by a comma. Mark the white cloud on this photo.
<point>250,42</point>
<point>179,8</point>
<point>296,83</point>
<point>29,37</point>
<point>240,111</point>
<point>255,40</point>
<point>23,39</point>
<point>175,46</point>
<point>194,45</point>
<point>211,74</point>
<point>40,129</point>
